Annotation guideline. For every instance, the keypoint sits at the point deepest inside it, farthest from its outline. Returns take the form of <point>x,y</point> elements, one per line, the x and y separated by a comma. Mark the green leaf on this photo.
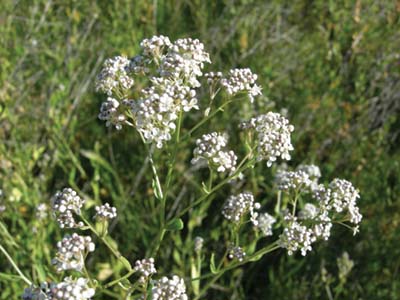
<point>213,268</point>
<point>155,189</point>
<point>125,262</point>
<point>175,225</point>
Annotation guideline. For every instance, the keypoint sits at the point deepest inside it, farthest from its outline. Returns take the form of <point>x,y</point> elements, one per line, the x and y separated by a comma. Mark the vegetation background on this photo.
<point>334,66</point>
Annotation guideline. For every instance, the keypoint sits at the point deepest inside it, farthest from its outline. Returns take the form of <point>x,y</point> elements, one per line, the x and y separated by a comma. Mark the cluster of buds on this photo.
<point>212,148</point>
<point>71,252</point>
<point>65,204</point>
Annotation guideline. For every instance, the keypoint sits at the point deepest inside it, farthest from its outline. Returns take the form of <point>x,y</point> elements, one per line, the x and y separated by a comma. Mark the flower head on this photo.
<point>169,289</point>
<point>64,205</point>
<point>212,148</point>
<point>71,252</point>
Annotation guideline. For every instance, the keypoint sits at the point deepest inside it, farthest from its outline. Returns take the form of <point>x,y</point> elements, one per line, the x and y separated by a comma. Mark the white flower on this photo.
<point>71,289</point>
<point>64,205</point>
<point>292,181</point>
<point>312,171</point>
<point>212,148</point>
<point>114,76</point>
<point>235,207</point>
<point>265,222</point>
<point>241,80</point>
<point>105,212</point>
<point>155,46</point>
<point>344,196</point>
<point>71,251</point>
<point>109,112</point>
<point>273,134</point>
<point>309,212</point>
<point>169,289</point>
<point>296,237</point>
<point>146,268</point>
<point>157,111</point>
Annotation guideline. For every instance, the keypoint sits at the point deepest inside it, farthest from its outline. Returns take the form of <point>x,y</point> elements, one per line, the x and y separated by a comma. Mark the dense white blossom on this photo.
<point>171,71</point>
<point>105,212</point>
<point>292,181</point>
<point>344,196</point>
<point>114,76</point>
<point>71,252</point>
<point>146,268</point>
<point>309,212</point>
<point>212,148</point>
<point>265,222</point>
<point>64,205</point>
<point>109,112</point>
<point>296,237</point>
<point>72,289</point>
<point>241,80</point>
<point>68,289</point>
<point>273,136</point>
<point>157,111</point>
<point>312,171</point>
<point>169,289</point>
<point>236,206</point>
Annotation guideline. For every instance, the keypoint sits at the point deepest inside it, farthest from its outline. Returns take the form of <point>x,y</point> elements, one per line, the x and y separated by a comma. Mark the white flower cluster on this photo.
<point>169,289</point>
<point>71,252</point>
<point>241,80</point>
<point>309,212</point>
<point>171,70</point>
<point>312,171</point>
<point>236,252</point>
<point>69,289</point>
<point>344,196</point>
<point>109,112</point>
<point>157,111</point>
<point>212,148</point>
<point>146,268</point>
<point>72,289</point>
<point>265,222</point>
<point>105,212</point>
<point>64,205</point>
<point>288,181</point>
<point>273,134</point>
<point>236,206</point>
<point>154,47</point>
<point>314,222</point>
<point>296,236</point>
<point>114,76</point>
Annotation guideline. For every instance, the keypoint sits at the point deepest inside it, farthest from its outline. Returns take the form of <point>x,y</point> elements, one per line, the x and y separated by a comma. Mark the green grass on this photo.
<point>334,65</point>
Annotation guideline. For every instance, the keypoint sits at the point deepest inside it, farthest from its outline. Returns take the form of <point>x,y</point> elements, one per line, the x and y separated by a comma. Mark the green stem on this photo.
<point>206,119</point>
<point>241,168</point>
<point>274,246</point>
<point>23,277</point>
<point>114,282</point>
<point>114,251</point>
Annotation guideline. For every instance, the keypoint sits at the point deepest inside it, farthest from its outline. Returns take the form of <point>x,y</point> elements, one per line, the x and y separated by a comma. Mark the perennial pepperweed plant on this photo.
<point>152,93</point>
